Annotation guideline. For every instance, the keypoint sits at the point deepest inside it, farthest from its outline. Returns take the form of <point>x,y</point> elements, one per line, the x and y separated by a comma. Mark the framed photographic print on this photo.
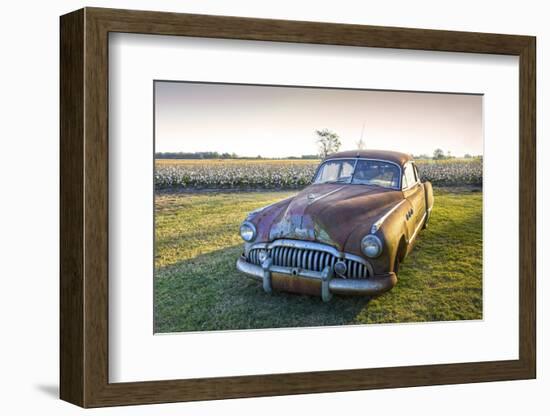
<point>255,207</point>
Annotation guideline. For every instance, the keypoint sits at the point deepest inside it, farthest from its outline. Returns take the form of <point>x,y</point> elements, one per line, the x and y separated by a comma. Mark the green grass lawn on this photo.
<point>197,287</point>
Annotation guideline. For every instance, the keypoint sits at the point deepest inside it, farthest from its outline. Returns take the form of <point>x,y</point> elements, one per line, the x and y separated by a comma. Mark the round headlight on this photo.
<point>248,231</point>
<point>371,246</point>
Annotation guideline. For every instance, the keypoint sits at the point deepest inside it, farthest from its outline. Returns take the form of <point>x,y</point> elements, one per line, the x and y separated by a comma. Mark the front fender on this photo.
<point>392,230</point>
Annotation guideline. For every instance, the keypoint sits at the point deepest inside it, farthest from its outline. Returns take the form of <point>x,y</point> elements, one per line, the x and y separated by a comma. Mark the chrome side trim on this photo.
<point>376,226</point>
<point>417,229</point>
<point>323,196</point>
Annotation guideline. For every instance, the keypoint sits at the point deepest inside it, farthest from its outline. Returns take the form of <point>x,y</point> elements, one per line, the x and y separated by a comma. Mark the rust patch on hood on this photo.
<point>326,213</point>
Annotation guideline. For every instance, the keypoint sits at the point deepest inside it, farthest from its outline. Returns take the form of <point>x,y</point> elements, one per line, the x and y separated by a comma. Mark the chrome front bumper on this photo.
<point>326,279</point>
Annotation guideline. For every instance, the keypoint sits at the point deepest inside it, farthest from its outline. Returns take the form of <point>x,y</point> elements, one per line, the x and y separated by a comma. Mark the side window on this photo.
<point>416,177</point>
<point>409,176</point>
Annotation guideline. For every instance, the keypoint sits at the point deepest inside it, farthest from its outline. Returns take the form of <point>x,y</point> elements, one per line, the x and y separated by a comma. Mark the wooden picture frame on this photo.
<point>84,207</point>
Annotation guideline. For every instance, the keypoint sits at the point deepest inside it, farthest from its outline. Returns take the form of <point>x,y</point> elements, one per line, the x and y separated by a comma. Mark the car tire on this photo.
<point>399,255</point>
<point>396,265</point>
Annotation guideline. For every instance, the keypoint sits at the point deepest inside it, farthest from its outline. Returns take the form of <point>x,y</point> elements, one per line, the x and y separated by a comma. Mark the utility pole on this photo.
<point>361,143</point>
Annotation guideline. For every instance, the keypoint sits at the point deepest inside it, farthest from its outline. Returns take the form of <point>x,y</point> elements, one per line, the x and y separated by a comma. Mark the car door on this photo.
<point>413,192</point>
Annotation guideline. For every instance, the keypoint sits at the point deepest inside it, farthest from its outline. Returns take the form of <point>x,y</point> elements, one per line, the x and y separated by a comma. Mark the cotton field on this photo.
<point>289,174</point>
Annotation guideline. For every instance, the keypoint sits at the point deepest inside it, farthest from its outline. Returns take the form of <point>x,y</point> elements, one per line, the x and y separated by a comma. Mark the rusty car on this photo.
<point>346,233</point>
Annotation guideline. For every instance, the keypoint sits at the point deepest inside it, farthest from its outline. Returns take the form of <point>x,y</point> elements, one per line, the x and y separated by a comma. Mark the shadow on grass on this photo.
<point>441,280</point>
<point>207,293</point>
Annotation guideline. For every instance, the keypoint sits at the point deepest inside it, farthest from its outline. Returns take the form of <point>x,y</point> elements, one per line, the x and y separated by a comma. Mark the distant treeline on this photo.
<point>438,155</point>
<point>217,155</point>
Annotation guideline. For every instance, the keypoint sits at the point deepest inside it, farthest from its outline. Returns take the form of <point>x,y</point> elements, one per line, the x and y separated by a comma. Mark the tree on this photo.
<point>327,141</point>
<point>439,154</point>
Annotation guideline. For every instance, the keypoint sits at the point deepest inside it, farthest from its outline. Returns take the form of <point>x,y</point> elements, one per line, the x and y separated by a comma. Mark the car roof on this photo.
<point>390,156</point>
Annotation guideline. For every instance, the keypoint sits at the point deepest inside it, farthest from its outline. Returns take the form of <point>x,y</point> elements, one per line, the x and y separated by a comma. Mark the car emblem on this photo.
<point>301,232</point>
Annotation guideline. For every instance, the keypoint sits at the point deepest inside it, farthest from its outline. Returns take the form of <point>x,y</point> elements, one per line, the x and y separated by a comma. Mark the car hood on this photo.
<point>326,213</point>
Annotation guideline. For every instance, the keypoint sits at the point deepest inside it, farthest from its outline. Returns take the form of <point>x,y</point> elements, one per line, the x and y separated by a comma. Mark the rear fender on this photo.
<point>429,195</point>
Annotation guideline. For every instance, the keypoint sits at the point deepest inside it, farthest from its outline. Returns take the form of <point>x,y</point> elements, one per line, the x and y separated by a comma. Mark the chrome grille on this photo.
<point>254,256</point>
<point>308,259</point>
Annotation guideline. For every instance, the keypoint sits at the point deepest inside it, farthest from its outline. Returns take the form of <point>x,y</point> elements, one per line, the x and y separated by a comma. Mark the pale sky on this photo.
<point>253,120</point>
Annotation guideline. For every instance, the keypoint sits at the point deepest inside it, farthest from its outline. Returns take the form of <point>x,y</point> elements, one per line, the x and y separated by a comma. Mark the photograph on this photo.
<point>290,206</point>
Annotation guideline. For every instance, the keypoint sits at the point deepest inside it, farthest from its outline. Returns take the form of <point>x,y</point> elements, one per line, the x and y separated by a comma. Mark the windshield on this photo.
<point>359,172</point>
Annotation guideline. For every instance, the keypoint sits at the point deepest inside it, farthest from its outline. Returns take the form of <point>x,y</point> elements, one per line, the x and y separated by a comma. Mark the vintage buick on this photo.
<point>346,233</point>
